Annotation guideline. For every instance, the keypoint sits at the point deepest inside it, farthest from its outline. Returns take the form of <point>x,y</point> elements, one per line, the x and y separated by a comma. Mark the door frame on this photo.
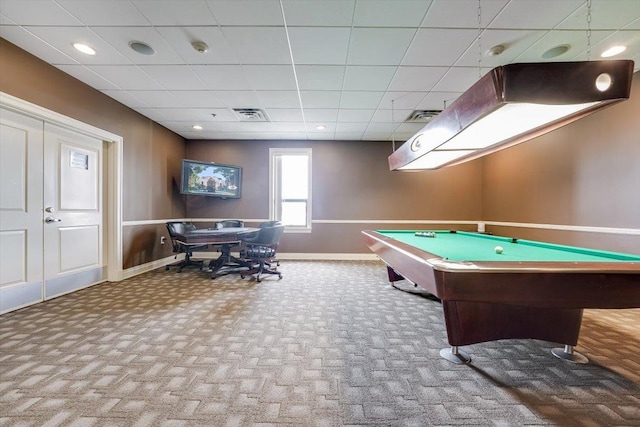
<point>112,164</point>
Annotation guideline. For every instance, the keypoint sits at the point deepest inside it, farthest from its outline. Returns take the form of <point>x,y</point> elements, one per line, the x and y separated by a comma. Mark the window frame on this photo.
<point>275,198</point>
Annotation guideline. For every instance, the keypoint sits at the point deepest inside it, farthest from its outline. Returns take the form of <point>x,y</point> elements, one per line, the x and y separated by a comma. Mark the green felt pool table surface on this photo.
<point>469,246</point>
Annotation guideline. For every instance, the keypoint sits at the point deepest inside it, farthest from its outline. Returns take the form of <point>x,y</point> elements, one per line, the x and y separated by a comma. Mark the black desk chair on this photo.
<point>180,227</point>
<point>259,251</point>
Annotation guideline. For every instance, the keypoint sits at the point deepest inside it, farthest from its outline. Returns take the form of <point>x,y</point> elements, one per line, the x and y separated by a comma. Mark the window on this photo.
<point>290,187</point>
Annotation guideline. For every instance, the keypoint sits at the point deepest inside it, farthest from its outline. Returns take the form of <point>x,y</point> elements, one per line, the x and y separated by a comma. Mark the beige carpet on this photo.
<point>331,344</point>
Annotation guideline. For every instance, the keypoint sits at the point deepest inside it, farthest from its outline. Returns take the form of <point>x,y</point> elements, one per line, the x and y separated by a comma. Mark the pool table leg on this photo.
<point>455,355</point>
<point>567,353</point>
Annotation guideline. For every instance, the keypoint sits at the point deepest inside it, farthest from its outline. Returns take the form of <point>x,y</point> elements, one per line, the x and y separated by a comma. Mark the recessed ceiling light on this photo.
<point>556,51</point>
<point>613,51</point>
<point>141,48</point>
<point>196,127</point>
<point>321,127</point>
<point>86,49</point>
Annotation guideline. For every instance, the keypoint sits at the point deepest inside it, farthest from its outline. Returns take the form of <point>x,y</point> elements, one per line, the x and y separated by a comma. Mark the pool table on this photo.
<point>532,289</point>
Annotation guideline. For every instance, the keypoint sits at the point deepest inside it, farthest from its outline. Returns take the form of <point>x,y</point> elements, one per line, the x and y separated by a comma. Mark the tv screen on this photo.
<point>211,179</point>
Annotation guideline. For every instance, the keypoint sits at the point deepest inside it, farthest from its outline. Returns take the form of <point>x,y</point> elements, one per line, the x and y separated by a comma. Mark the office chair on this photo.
<point>228,223</point>
<point>180,227</point>
<point>259,251</point>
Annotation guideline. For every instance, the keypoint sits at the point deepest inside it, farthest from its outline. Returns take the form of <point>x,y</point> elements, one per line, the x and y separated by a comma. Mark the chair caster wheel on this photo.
<point>166,268</point>
<point>279,276</point>
<point>242,276</point>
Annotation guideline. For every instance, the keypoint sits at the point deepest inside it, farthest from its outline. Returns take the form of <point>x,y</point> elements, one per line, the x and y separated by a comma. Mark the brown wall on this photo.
<point>351,181</point>
<point>151,152</point>
<point>584,174</point>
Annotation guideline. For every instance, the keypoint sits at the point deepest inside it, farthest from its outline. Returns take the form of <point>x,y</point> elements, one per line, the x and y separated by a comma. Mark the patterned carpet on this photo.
<point>331,344</point>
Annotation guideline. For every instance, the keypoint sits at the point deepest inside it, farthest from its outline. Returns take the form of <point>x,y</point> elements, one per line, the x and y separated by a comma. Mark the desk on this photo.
<point>223,237</point>
<point>531,290</point>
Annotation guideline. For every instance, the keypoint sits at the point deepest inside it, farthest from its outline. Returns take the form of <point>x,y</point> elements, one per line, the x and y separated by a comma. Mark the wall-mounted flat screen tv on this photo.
<point>211,179</point>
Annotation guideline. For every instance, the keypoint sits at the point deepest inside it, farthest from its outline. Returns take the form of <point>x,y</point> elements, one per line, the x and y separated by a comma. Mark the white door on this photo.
<point>72,213</point>
<point>20,210</point>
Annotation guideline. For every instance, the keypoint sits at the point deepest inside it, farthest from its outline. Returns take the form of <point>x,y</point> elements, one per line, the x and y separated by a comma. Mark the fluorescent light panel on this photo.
<point>512,104</point>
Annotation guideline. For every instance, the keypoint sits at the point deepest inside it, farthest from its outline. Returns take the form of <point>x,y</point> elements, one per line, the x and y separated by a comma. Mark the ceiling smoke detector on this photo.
<point>200,47</point>
<point>250,115</point>
<point>422,116</point>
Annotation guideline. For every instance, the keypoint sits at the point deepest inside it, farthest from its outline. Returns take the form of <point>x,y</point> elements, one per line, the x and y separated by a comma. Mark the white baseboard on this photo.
<point>143,268</point>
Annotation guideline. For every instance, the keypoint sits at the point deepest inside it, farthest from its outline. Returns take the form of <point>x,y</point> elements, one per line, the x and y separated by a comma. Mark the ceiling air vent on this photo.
<point>250,115</point>
<point>422,116</point>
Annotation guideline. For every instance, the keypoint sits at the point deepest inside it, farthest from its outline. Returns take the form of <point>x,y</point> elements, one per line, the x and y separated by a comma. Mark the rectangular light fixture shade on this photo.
<point>512,104</point>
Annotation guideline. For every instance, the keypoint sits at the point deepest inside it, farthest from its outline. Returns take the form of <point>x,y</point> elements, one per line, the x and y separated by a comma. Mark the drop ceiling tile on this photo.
<point>126,98</point>
<point>157,98</point>
<point>6,21</point>
<point>457,79</point>
<point>351,127</point>
<point>389,116</point>
<point>409,128</point>
<point>186,114</point>
<point>222,77</point>
<point>319,45</point>
<point>378,46</point>
<point>300,136</point>
<point>121,37</point>
<point>105,12</point>
<point>320,77</point>
<point>259,45</point>
<point>355,115</point>
<point>388,13</point>
<point>426,48</point>
<point>376,136</point>
<point>174,77</point>
<point>38,12</point>
<point>289,127</point>
<point>534,14</point>
<point>437,100</point>
<point>175,12</point>
<point>270,77</point>
<point>198,99</point>
<point>279,99</point>
<point>514,41</point>
<point>87,76</point>
<point>324,115</point>
<point>462,13</point>
<point>314,13</point>
<point>246,12</point>
<point>284,114</point>
<point>368,77</point>
<point>360,100</point>
<point>220,115</point>
<point>420,79</point>
<point>154,114</point>
<point>62,38</point>
<point>239,98</point>
<point>347,136</point>
<point>312,127</point>
<point>576,40</point>
<point>401,100</point>
<point>320,99</point>
<point>321,136</point>
<point>605,15</point>
<point>245,127</point>
<point>180,39</point>
<point>35,45</point>
<point>187,126</point>
<point>127,77</point>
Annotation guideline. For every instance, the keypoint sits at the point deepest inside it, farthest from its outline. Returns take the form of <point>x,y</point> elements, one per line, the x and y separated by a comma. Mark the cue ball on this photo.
<point>498,249</point>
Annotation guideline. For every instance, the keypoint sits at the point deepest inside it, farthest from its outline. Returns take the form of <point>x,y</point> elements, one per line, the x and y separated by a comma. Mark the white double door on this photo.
<point>51,224</point>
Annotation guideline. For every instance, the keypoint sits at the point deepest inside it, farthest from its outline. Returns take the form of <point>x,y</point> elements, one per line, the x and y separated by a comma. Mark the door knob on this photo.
<point>51,219</point>
<point>49,209</point>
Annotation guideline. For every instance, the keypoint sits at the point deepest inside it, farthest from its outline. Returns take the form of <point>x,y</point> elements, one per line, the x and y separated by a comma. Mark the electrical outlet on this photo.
<point>163,239</point>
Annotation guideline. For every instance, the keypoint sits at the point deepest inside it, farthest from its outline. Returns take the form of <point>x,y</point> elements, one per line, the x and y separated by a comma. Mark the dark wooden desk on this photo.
<point>225,238</point>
